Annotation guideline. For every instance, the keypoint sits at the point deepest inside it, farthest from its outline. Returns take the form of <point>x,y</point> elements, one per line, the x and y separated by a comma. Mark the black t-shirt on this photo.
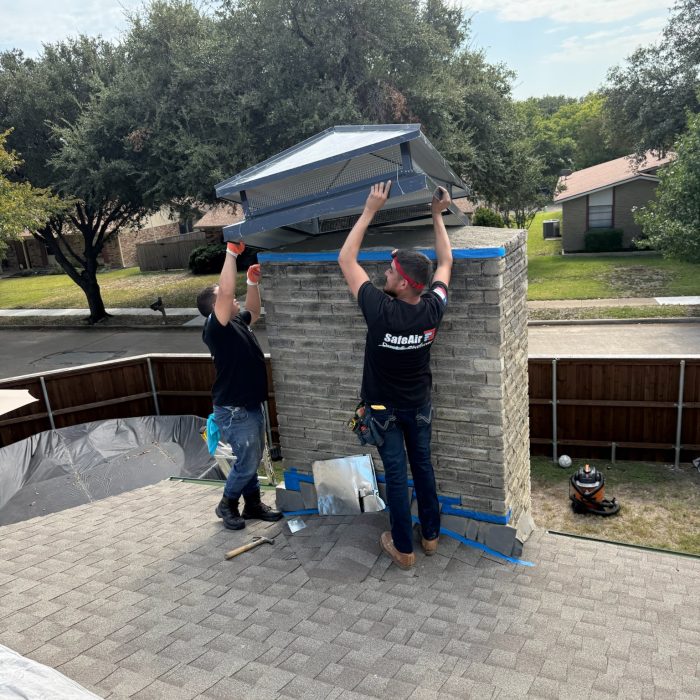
<point>241,375</point>
<point>397,353</point>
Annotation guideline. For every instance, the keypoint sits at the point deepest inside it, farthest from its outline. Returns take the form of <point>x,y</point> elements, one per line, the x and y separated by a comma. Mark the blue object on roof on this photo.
<point>321,184</point>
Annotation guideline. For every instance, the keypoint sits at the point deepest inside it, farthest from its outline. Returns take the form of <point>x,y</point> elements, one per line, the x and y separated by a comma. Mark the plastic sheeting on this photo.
<point>22,678</point>
<point>63,468</point>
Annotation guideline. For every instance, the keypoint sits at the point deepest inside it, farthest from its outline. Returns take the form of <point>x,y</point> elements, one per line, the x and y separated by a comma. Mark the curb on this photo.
<point>610,321</point>
<point>534,323</point>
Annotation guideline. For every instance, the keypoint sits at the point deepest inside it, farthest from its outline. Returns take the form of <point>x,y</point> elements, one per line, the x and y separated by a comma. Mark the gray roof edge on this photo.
<point>640,176</point>
<point>239,182</point>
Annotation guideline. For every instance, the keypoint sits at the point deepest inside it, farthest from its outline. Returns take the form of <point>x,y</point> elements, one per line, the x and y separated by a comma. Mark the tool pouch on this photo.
<point>363,426</point>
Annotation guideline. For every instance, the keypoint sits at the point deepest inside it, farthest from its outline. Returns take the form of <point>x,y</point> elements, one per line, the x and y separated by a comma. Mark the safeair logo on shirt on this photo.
<point>408,342</point>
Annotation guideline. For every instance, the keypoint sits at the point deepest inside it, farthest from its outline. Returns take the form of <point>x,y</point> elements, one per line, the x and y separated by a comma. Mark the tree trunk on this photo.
<point>94,298</point>
<point>85,278</point>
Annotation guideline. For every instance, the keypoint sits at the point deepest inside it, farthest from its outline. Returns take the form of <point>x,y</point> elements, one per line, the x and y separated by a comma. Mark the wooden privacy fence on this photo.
<point>615,408</point>
<point>169,253</point>
<point>138,386</point>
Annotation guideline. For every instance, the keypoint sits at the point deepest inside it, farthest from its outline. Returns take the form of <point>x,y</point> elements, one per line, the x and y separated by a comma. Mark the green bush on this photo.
<point>603,240</point>
<point>207,259</point>
<point>487,217</point>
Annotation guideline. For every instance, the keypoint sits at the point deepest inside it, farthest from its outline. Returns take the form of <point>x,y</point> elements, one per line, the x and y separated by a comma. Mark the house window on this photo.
<point>600,209</point>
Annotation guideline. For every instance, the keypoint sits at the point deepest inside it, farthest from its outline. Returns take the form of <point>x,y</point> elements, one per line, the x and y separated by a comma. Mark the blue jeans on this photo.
<point>244,429</point>
<point>412,427</point>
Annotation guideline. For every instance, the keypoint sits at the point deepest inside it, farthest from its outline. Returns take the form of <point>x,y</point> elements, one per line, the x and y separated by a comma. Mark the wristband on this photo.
<point>230,252</point>
<point>252,284</point>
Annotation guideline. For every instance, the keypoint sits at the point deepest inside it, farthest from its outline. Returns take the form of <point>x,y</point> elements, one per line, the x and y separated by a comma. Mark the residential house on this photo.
<point>604,196</point>
<point>27,253</point>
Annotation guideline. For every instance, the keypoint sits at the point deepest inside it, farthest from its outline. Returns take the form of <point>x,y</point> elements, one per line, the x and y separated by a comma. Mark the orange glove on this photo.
<point>254,275</point>
<point>236,248</point>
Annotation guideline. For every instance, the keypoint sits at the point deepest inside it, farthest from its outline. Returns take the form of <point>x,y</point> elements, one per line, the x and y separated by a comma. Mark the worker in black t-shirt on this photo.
<point>239,389</point>
<point>402,322</point>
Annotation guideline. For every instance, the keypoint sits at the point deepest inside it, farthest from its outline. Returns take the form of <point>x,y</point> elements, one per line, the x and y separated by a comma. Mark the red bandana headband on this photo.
<point>400,270</point>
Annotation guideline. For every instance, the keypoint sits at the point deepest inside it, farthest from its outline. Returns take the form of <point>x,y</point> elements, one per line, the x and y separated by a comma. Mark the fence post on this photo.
<point>554,411</point>
<point>679,420</point>
<point>153,385</point>
<point>47,402</point>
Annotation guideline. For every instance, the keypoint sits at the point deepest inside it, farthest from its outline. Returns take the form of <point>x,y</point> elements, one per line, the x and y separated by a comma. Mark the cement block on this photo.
<point>525,526</point>
<point>454,523</point>
<point>500,538</point>
<point>471,531</point>
<point>309,495</point>
<point>287,500</point>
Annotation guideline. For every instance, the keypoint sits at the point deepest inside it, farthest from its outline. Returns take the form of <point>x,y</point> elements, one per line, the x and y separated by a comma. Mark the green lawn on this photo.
<point>551,276</point>
<point>536,244</point>
<point>659,503</point>
<point>554,276</point>
<point>120,289</point>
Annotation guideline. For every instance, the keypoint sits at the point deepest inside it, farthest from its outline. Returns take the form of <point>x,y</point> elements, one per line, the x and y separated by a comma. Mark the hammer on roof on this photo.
<point>246,547</point>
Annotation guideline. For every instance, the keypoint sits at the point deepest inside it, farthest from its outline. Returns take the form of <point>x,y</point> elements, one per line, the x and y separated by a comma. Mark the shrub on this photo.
<point>207,259</point>
<point>487,217</point>
<point>603,240</point>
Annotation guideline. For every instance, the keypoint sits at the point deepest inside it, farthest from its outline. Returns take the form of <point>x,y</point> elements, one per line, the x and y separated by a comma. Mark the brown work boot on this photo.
<point>401,559</point>
<point>429,546</point>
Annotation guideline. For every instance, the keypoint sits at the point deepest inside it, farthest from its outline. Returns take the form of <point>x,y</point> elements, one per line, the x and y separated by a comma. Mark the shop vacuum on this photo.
<point>587,493</point>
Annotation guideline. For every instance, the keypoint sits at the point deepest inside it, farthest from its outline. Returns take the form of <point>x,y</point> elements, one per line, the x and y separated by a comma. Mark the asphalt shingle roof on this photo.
<point>131,597</point>
<point>606,174</point>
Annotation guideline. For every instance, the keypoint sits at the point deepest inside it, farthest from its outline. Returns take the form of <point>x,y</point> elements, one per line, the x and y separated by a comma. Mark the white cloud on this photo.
<point>607,46</point>
<point>28,24</point>
<point>566,11</point>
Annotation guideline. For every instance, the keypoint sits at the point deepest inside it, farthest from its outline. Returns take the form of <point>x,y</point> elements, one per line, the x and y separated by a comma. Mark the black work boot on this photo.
<point>227,510</point>
<point>254,508</point>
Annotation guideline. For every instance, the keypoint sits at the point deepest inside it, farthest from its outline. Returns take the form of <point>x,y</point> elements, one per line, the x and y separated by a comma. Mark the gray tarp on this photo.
<point>59,469</point>
<point>24,679</point>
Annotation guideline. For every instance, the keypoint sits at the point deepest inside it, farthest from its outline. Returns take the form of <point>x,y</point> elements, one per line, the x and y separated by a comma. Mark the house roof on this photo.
<point>219,216</point>
<point>146,600</point>
<point>604,175</point>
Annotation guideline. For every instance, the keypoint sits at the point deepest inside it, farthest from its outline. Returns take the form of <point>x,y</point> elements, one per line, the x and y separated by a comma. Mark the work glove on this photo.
<point>236,248</point>
<point>254,275</point>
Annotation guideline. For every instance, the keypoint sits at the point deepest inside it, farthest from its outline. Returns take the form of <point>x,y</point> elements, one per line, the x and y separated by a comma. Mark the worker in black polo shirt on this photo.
<point>402,322</point>
<point>239,389</point>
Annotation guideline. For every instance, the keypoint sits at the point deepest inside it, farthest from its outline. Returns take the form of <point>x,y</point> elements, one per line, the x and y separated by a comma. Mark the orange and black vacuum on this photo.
<point>587,493</point>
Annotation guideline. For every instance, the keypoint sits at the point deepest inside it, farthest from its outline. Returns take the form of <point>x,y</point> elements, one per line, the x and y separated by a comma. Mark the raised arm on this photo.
<point>354,275</point>
<point>252,297</point>
<point>443,249</point>
<point>225,307</point>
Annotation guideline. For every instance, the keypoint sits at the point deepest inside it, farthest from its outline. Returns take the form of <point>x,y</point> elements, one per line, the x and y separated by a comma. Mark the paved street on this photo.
<point>28,351</point>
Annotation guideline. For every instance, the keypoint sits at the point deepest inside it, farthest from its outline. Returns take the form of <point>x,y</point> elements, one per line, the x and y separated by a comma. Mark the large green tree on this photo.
<point>43,99</point>
<point>22,207</point>
<point>573,136</point>
<point>671,222</point>
<point>650,94</point>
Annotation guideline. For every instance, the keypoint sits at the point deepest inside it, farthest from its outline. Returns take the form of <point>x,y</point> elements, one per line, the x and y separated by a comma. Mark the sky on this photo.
<point>557,47</point>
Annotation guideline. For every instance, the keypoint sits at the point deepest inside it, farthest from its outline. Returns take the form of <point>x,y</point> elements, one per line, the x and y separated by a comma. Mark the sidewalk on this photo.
<point>603,303</point>
<point>195,319</point>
